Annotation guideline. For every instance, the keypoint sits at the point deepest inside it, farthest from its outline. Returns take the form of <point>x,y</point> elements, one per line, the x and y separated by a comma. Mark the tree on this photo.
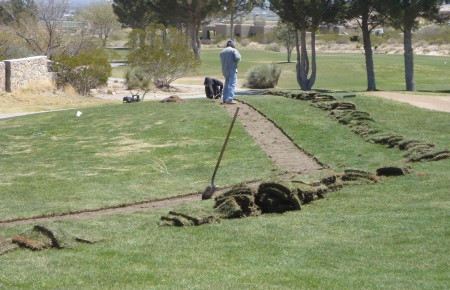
<point>187,14</point>
<point>166,58</point>
<point>8,9</point>
<point>102,20</point>
<point>404,15</point>
<point>285,34</point>
<point>237,8</point>
<point>368,18</point>
<point>306,15</point>
<point>135,14</point>
<point>38,24</point>
<point>11,47</point>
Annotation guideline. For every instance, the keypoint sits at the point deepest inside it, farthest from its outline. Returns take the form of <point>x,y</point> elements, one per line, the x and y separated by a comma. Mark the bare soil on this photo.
<point>435,103</point>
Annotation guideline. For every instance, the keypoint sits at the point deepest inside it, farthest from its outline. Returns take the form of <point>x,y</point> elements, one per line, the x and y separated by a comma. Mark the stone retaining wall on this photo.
<point>18,73</point>
<point>2,77</point>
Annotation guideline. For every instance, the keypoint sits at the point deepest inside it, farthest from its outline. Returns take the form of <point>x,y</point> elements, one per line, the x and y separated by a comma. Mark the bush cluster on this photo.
<point>273,47</point>
<point>164,57</point>
<point>85,71</point>
<point>263,76</point>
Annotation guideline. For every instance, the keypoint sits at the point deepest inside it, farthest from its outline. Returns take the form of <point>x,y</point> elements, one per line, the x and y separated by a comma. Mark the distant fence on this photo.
<point>16,74</point>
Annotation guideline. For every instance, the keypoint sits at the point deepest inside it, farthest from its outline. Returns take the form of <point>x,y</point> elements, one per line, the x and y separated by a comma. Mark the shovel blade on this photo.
<point>209,191</point>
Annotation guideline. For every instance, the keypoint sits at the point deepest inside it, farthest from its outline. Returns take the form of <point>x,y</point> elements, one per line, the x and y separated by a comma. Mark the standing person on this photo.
<point>229,57</point>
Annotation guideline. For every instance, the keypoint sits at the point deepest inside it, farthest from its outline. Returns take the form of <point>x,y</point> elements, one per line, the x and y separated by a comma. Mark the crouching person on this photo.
<point>213,88</point>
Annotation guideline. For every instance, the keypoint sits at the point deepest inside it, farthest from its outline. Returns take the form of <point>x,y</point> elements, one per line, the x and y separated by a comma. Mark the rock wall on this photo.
<point>18,73</point>
<point>2,77</point>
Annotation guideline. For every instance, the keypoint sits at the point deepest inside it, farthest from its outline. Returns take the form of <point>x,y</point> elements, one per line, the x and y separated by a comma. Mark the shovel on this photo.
<point>210,189</point>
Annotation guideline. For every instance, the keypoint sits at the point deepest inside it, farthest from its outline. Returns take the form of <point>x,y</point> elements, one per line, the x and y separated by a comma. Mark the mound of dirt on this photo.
<point>276,197</point>
<point>183,220</point>
<point>40,238</point>
<point>236,203</point>
<point>172,99</point>
<point>269,197</point>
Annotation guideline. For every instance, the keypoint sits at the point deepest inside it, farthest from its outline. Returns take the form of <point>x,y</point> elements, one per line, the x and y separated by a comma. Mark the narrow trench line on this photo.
<point>279,147</point>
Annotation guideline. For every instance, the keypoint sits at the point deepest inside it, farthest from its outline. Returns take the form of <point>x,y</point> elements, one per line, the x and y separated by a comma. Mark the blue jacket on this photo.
<point>229,57</point>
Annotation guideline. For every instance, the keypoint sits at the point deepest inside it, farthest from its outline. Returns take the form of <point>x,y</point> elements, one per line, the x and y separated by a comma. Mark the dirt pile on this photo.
<point>270,197</point>
<point>40,238</point>
<point>237,203</point>
<point>172,99</point>
<point>183,220</point>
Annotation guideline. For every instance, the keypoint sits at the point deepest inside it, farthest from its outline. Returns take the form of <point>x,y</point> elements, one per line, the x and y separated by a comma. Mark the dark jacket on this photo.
<point>213,88</point>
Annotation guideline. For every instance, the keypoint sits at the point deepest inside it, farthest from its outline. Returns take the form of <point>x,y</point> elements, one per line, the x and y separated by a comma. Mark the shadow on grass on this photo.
<point>434,91</point>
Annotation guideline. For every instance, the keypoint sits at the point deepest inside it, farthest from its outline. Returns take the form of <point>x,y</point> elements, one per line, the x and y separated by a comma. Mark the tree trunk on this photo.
<point>232,26</point>
<point>409,59</point>
<point>199,43</point>
<point>302,62</point>
<point>368,53</point>
<point>302,67</point>
<point>312,78</point>
<point>195,42</point>
<point>297,48</point>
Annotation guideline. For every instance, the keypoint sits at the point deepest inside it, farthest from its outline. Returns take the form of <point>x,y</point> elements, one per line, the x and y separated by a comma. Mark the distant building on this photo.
<point>258,23</point>
<point>444,11</point>
<point>245,30</point>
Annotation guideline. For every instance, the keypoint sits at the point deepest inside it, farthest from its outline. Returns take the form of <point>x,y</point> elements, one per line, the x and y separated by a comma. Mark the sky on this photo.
<point>78,3</point>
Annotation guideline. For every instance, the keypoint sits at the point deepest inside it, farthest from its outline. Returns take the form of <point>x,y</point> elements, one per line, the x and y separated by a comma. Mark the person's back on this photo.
<point>229,58</point>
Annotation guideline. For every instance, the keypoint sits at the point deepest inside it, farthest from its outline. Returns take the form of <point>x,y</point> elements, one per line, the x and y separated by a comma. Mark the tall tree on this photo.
<point>9,10</point>
<point>188,14</point>
<point>368,18</point>
<point>238,8</point>
<point>134,14</point>
<point>102,20</point>
<point>404,15</point>
<point>285,34</point>
<point>306,15</point>
<point>38,24</point>
<point>166,58</point>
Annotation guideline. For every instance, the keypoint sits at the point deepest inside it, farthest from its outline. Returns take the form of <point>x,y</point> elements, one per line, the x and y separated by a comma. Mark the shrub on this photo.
<point>273,47</point>
<point>83,72</point>
<point>263,76</point>
<point>343,39</point>
<point>433,34</point>
<point>137,78</point>
<point>167,58</point>
<point>245,42</point>
<point>354,38</point>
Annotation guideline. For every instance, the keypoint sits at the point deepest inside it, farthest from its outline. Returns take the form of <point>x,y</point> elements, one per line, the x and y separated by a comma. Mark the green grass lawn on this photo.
<point>334,71</point>
<point>347,72</point>
<point>118,154</point>
<point>392,234</point>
